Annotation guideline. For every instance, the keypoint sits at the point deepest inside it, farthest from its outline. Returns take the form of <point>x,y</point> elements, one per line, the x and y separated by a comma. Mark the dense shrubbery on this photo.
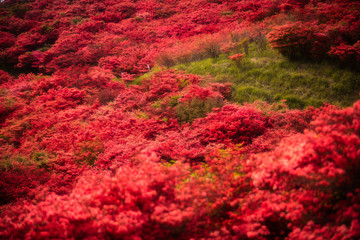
<point>306,185</point>
<point>322,29</point>
<point>90,151</point>
<point>299,40</point>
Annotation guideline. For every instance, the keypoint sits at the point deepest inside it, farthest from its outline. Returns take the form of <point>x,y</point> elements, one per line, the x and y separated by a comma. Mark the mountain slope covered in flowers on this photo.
<point>136,119</point>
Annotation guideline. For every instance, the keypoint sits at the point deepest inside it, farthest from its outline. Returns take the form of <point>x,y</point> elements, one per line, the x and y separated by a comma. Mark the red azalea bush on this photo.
<point>196,102</point>
<point>347,53</point>
<point>323,28</point>
<point>5,77</point>
<point>166,82</point>
<point>20,181</point>
<point>236,58</point>
<point>298,40</point>
<point>196,92</point>
<point>29,60</point>
<point>7,40</point>
<point>232,123</point>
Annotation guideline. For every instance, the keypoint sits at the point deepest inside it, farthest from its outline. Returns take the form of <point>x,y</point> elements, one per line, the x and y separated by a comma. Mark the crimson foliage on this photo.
<point>87,154</point>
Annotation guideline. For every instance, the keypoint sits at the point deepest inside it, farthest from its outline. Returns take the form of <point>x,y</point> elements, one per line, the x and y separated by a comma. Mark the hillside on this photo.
<point>202,119</point>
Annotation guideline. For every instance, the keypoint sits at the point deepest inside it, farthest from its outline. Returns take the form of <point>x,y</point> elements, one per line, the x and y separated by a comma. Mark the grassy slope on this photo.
<point>266,75</point>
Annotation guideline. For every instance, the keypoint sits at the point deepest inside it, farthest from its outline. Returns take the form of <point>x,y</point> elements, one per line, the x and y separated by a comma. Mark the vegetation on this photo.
<point>178,119</point>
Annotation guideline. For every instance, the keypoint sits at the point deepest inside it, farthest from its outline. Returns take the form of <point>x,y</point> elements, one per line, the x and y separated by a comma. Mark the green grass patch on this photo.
<point>265,75</point>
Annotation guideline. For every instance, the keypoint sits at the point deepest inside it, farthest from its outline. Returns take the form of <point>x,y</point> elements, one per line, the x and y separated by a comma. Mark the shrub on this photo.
<point>347,53</point>
<point>231,124</point>
<point>7,106</point>
<point>18,180</point>
<point>29,60</point>
<point>196,102</point>
<point>237,57</point>
<point>5,77</point>
<point>7,40</point>
<point>299,40</point>
<point>104,96</point>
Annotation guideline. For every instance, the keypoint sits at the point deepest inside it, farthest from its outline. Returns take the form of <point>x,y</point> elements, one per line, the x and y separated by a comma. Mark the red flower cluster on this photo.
<point>237,57</point>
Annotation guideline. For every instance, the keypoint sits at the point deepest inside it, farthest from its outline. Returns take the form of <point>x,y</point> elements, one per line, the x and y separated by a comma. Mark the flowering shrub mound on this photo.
<point>296,40</point>
<point>348,53</point>
<point>231,123</point>
<point>322,29</point>
<point>237,57</point>
<point>196,102</point>
<point>21,182</point>
<point>89,149</point>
